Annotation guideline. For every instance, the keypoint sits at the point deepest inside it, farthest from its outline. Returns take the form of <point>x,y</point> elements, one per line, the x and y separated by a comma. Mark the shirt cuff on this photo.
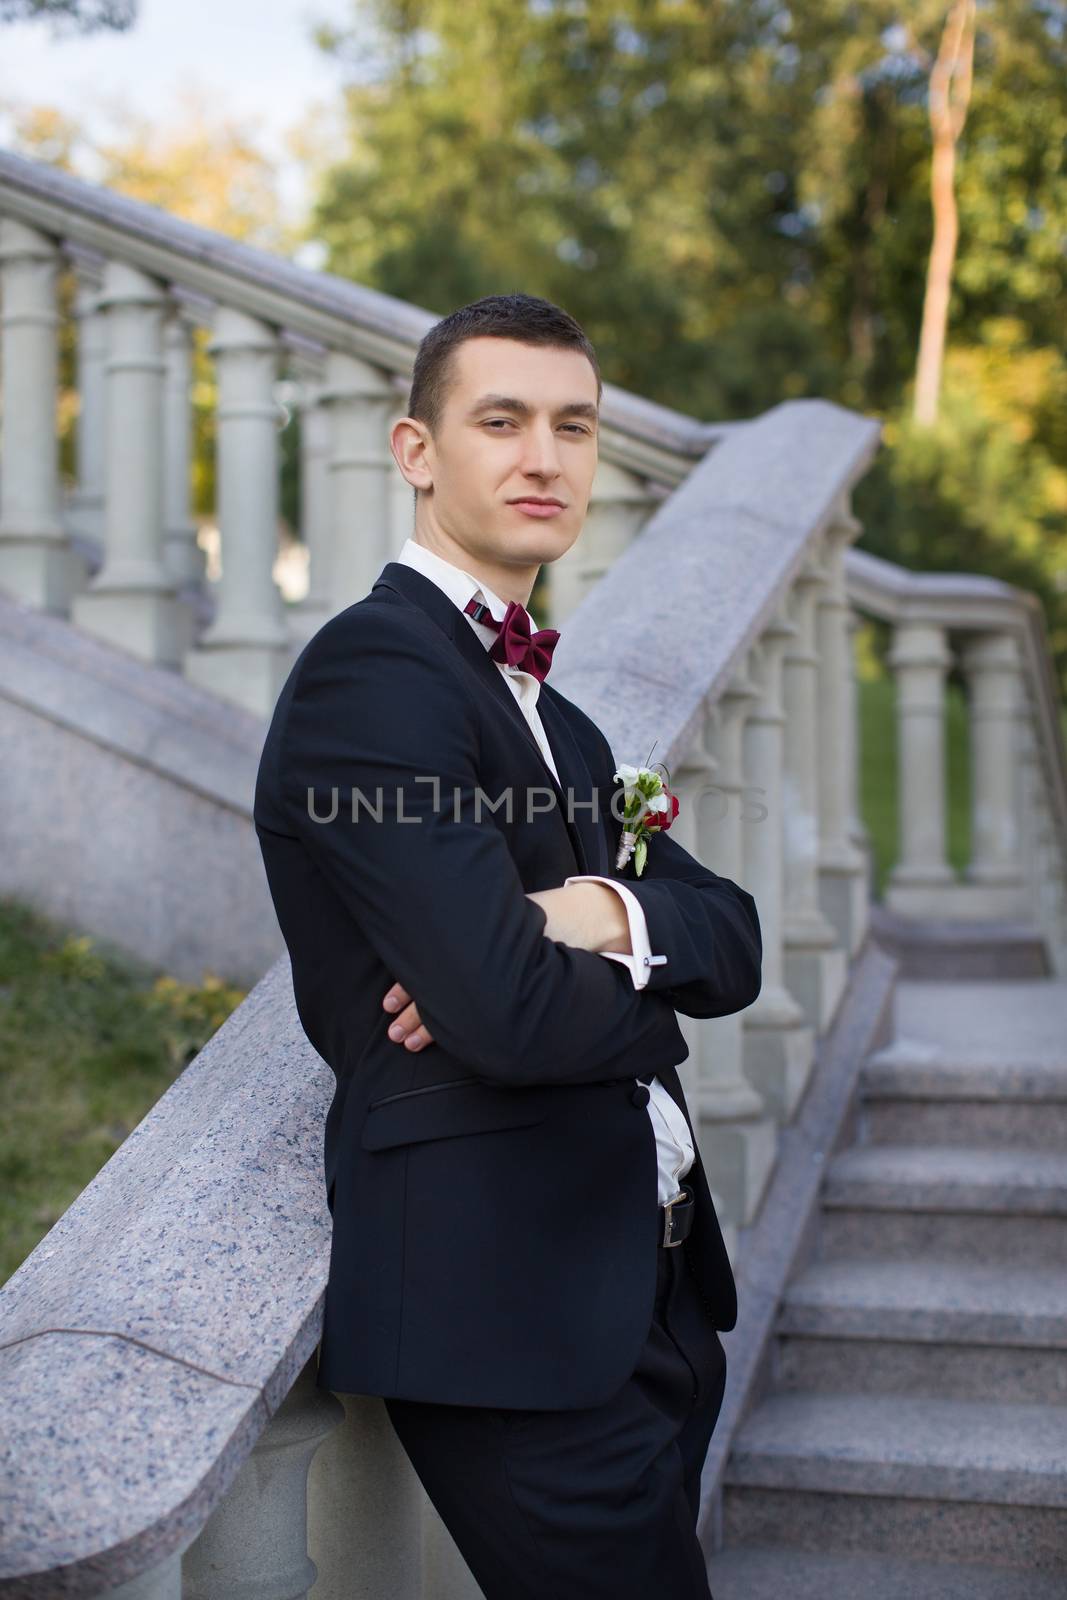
<point>641,960</point>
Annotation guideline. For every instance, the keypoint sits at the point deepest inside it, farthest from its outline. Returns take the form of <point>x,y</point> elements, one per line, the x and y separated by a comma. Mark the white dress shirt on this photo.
<point>674,1147</point>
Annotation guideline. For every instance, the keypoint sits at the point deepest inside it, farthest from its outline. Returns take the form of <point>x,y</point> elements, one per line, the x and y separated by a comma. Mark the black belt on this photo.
<point>676,1216</point>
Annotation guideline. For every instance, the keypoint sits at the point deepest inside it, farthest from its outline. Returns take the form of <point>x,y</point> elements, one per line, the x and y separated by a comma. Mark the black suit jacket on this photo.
<point>494,1195</point>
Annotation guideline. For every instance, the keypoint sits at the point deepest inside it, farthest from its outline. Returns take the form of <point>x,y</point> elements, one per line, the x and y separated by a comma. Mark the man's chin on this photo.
<point>540,542</point>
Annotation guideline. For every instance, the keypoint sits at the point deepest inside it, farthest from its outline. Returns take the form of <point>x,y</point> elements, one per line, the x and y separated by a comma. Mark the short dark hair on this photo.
<point>500,316</point>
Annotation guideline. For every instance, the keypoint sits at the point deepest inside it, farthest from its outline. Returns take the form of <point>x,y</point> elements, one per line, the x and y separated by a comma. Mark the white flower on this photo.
<point>659,802</point>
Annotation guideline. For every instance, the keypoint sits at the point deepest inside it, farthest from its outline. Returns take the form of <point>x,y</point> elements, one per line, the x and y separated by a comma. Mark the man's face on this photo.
<point>519,423</point>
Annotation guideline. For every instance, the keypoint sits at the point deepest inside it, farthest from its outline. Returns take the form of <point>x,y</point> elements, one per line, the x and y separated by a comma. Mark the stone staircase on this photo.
<point>913,1442</point>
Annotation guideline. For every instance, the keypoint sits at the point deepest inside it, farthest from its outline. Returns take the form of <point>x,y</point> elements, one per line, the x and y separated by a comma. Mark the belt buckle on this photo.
<point>668,1223</point>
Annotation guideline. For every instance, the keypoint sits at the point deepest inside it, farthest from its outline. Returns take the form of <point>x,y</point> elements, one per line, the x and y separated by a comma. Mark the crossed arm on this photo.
<point>588,916</point>
<point>512,982</point>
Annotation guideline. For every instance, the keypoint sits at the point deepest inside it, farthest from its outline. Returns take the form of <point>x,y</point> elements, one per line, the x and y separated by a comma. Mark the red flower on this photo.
<point>664,824</point>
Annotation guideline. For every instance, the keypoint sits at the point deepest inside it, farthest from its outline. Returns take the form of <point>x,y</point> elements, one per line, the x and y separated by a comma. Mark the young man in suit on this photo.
<point>517,1265</point>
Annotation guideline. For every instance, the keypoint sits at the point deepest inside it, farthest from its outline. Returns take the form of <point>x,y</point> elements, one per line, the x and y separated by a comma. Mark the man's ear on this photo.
<point>410,444</point>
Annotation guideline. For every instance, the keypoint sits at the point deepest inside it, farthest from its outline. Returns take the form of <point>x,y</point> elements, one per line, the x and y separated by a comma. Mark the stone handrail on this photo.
<point>167,1314</point>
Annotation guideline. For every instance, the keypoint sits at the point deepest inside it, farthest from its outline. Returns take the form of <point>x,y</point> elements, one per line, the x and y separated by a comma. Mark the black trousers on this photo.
<point>590,1504</point>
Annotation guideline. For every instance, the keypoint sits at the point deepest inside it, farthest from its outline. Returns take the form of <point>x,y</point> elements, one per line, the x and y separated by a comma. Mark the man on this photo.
<point>516,1265</point>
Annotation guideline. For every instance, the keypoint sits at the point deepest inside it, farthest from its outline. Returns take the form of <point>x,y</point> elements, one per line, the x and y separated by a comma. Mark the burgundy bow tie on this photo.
<point>514,644</point>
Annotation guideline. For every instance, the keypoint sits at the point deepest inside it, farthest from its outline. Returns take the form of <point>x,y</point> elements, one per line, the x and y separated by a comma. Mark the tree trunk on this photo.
<point>954,64</point>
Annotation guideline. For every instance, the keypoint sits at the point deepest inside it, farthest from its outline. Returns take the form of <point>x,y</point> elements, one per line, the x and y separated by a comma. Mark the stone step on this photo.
<point>931,1301</point>
<point>1002,1021</point>
<point>932,950</point>
<point>947,1178</point>
<point>896,1202</point>
<point>927,1478</point>
<point>883,1444</point>
<point>914,1093</point>
<point>755,1573</point>
<point>1014,1373</point>
<point>958,1330</point>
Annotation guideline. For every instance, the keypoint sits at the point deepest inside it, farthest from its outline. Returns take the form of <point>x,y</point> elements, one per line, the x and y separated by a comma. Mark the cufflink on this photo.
<point>654,961</point>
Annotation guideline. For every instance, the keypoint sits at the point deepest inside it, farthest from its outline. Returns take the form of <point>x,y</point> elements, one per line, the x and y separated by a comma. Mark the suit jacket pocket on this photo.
<point>444,1110</point>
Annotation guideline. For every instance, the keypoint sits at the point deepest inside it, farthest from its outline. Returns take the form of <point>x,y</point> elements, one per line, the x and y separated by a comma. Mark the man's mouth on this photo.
<point>533,507</point>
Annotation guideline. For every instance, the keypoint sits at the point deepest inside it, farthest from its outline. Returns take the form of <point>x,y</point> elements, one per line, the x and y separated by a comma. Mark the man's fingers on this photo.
<point>409,1030</point>
<point>395,997</point>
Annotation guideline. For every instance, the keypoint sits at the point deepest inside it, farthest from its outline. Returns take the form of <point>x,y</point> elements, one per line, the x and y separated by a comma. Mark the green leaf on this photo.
<point>640,852</point>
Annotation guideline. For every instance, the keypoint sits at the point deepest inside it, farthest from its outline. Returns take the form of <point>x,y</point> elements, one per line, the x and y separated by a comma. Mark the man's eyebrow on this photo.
<point>505,402</point>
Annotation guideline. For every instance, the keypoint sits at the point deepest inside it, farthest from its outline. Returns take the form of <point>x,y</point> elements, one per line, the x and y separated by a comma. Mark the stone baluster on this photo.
<point>131,600</point>
<point>1036,859</point>
<point>35,557</point>
<point>316,517</point>
<point>857,830</point>
<point>619,505</point>
<point>920,659</point>
<point>362,401</point>
<point>815,962</point>
<point>254,1545</point>
<point>991,666</point>
<point>182,555</point>
<point>366,1509</point>
<point>243,654</point>
<point>778,1042</point>
<point>1043,848</point>
<point>842,874</point>
<point>738,1135</point>
<point>85,506</point>
<point>1029,804</point>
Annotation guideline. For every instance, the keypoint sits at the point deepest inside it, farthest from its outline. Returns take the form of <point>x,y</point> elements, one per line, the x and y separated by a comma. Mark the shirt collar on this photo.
<point>460,586</point>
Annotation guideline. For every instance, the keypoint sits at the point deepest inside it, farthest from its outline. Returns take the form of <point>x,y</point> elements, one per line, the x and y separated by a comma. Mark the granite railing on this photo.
<point>157,1349</point>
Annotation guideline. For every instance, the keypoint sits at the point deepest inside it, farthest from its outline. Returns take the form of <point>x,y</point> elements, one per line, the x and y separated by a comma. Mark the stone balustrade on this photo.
<point>116,550</point>
<point>994,635</point>
<point>157,1349</point>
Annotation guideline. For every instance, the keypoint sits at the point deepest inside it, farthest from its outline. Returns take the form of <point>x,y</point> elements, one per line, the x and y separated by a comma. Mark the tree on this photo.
<point>72,16</point>
<point>950,93</point>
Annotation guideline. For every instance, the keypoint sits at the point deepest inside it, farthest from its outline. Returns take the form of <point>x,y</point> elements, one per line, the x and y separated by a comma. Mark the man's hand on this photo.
<point>589,916</point>
<point>408,1029</point>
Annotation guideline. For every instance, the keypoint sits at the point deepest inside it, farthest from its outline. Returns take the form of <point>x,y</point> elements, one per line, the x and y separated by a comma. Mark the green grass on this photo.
<point>89,1040</point>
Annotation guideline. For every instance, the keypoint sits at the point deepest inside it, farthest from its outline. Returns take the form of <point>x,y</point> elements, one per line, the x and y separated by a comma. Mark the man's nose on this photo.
<point>541,455</point>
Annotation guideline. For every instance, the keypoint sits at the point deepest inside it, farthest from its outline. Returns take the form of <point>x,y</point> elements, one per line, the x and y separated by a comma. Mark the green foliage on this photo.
<point>89,1040</point>
<point>734,200</point>
<point>985,489</point>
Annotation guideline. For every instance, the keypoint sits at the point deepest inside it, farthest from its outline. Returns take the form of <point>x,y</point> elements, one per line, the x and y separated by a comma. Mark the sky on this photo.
<point>256,56</point>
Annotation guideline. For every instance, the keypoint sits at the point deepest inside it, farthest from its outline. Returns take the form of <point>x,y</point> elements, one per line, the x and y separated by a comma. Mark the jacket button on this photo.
<point>640,1096</point>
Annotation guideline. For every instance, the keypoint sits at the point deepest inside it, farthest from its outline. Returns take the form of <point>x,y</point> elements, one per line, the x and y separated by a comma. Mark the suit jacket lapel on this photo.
<point>576,782</point>
<point>574,775</point>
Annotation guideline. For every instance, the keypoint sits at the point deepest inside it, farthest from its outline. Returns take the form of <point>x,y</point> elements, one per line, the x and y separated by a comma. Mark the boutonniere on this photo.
<point>648,807</point>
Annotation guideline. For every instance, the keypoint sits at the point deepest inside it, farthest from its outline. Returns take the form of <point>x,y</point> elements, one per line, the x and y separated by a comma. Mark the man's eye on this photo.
<point>575,427</point>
